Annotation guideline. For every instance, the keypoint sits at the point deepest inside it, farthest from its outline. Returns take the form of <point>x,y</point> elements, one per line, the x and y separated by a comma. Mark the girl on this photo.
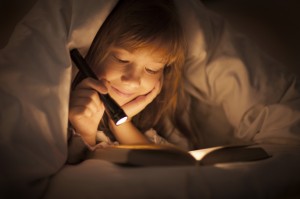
<point>137,55</point>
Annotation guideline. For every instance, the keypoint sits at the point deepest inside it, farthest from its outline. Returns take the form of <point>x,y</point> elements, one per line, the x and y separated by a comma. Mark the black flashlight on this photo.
<point>114,111</point>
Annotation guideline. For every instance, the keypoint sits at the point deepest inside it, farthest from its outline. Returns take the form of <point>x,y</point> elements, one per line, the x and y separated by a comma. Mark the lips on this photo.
<point>122,93</point>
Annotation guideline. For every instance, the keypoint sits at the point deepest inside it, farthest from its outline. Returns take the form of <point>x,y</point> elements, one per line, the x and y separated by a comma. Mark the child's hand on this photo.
<point>138,104</point>
<point>86,108</point>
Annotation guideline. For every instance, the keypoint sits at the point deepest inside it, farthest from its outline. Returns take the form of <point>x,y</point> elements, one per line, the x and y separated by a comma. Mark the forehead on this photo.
<point>158,55</point>
<point>166,49</point>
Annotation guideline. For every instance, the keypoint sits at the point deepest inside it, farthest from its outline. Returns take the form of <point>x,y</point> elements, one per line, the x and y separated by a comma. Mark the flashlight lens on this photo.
<point>121,121</point>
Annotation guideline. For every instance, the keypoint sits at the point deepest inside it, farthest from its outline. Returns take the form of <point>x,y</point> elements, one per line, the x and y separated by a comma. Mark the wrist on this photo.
<point>89,139</point>
<point>127,133</point>
<point>114,127</point>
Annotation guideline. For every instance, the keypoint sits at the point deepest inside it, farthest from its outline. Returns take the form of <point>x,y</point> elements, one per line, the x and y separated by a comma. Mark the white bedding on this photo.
<point>277,177</point>
<point>35,79</point>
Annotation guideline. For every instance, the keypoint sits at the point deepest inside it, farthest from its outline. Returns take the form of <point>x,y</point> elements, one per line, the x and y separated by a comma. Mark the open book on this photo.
<point>166,155</point>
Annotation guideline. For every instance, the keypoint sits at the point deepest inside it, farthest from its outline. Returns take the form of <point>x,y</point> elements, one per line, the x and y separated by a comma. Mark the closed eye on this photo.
<point>120,60</point>
<point>151,71</point>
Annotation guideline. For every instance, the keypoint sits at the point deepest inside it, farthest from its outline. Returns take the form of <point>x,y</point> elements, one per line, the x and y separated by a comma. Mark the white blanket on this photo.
<point>223,71</point>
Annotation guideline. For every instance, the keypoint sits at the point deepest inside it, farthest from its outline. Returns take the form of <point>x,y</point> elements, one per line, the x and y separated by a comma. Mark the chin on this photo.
<point>121,100</point>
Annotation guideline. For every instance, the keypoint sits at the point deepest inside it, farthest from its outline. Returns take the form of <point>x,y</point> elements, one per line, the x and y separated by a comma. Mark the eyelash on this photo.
<point>148,70</point>
<point>153,72</point>
<point>120,60</point>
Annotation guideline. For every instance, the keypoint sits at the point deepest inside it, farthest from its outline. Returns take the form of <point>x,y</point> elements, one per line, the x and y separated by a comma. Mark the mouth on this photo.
<point>122,93</point>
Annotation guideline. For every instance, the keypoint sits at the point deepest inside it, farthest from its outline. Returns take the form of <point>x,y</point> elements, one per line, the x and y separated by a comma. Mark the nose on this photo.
<point>132,77</point>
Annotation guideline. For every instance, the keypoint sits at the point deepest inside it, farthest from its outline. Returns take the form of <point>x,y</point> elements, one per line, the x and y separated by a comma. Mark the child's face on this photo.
<point>129,74</point>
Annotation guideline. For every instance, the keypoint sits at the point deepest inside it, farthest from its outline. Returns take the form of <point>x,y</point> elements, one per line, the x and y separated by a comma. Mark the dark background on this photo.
<point>273,24</point>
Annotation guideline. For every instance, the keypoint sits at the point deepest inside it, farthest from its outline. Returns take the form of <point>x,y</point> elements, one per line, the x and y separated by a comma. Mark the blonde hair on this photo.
<point>153,25</point>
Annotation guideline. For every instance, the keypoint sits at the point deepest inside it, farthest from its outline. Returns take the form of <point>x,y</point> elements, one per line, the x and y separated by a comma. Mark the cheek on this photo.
<point>150,82</point>
<point>107,71</point>
<point>99,71</point>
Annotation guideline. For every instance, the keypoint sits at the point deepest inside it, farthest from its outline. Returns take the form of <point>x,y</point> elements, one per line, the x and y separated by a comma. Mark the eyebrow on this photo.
<point>120,50</point>
<point>116,49</point>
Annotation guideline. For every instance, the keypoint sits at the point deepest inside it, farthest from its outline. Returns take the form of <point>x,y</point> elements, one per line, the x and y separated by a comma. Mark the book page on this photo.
<point>230,153</point>
<point>200,153</point>
<point>144,155</point>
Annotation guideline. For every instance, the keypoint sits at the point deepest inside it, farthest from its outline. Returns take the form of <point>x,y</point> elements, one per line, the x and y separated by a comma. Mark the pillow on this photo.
<point>35,77</point>
<point>232,83</point>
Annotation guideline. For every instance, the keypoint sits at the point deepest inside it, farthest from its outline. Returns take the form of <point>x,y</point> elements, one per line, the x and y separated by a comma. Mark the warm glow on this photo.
<point>121,121</point>
<point>199,154</point>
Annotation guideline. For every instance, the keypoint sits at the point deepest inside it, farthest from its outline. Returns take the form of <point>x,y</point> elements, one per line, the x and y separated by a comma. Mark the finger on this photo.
<point>94,84</point>
<point>152,94</point>
<point>138,104</point>
<point>81,112</point>
<point>135,106</point>
<point>86,93</point>
<point>87,103</point>
<point>78,112</point>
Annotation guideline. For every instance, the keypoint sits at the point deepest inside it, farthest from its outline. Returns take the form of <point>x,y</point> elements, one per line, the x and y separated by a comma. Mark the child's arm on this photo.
<point>86,109</point>
<point>127,133</point>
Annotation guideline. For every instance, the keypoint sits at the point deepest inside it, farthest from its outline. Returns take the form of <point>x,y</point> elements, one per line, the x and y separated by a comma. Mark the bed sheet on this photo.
<point>276,177</point>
